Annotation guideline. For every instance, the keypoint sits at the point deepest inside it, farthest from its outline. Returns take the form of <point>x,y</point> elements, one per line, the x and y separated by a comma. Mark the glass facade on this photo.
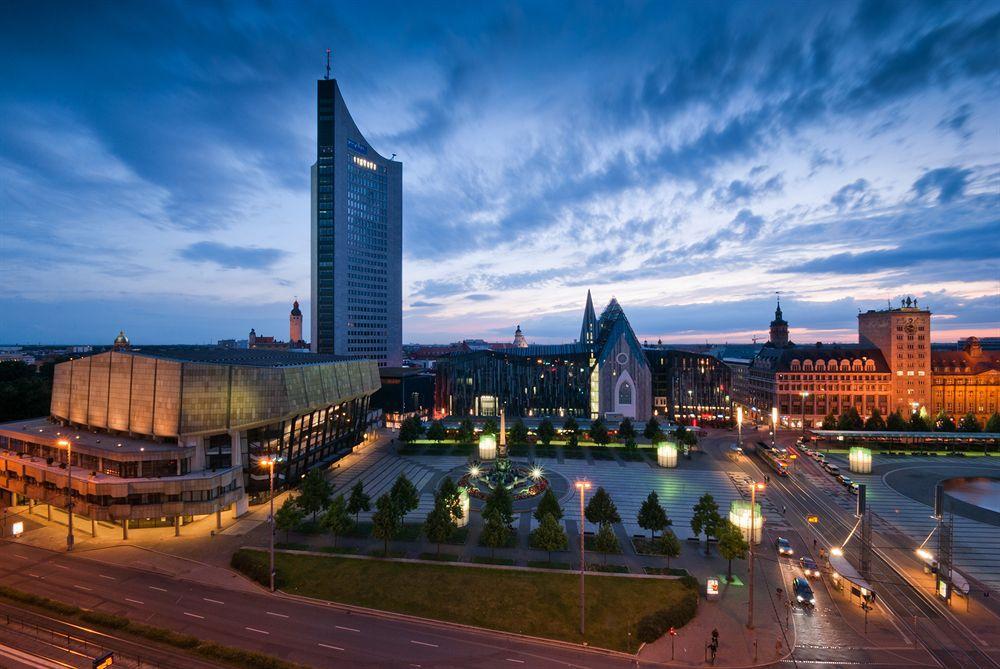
<point>689,386</point>
<point>367,203</point>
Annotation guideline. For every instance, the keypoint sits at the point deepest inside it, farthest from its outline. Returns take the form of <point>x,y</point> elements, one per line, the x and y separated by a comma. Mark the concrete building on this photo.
<point>903,335</point>
<point>357,231</point>
<point>162,436</point>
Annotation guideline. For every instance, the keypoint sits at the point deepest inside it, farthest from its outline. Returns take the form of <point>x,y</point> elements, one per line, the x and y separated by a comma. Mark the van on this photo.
<point>832,469</point>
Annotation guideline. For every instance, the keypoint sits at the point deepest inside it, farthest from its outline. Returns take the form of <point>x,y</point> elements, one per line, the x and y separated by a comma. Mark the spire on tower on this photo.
<point>588,332</point>
<point>327,63</point>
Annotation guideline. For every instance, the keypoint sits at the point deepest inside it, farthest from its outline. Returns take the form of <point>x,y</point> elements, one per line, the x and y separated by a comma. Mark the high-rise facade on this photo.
<point>357,231</point>
<point>903,335</point>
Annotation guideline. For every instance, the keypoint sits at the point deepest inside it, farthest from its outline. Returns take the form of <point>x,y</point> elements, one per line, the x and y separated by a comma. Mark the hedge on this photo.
<point>654,625</point>
<point>37,600</point>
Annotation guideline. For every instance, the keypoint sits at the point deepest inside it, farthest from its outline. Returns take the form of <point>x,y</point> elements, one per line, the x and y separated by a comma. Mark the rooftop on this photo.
<point>44,430</point>
<point>235,356</point>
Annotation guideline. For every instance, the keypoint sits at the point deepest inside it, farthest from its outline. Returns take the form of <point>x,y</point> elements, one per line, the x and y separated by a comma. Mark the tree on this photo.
<point>405,497</point>
<point>830,422</point>
<point>451,497</point>
<point>315,492</point>
<point>440,523</point>
<point>601,510</point>
<point>875,422</point>
<point>630,444</point>
<point>573,441</point>
<point>686,437</point>
<point>489,426</point>
<point>546,431</point>
<point>549,535</point>
<point>944,423</point>
<point>706,519</point>
<point>850,420</point>
<point>500,505</point>
<point>571,425</point>
<point>652,431</point>
<point>494,533</point>
<point>652,516</point>
<point>288,517</point>
<point>895,422</point>
<point>605,541</point>
<point>466,431</point>
<point>436,432</point>
<point>410,429</point>
<point>599,432</point>
<point>732,545</point>
<point>918,423</point>
<point>358,501</point>
<point>669,545</point>
<point>548,506</point>
<point>626,430</point>
<point>336,520</point>
<point>518,433</point>
<point>993,424</point>
<point>385,520</point>
<point>969,423</point>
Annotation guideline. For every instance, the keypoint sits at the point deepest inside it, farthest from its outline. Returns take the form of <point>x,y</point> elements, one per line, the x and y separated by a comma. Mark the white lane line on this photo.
<point>153,587</point>
<point>214,601</point>
<point>82,587</point>
<point>424,643</point>
<point>348,629</point>
<point>326,645</point>
<point>194,615</point>
<point>280,615</point>
<point>59,566</point>
<point>20,557</point>
<point>110,578</point>
<point>134,601</point>
<point>32,575</point>
<point>510,659</point>
<point>256,630</point>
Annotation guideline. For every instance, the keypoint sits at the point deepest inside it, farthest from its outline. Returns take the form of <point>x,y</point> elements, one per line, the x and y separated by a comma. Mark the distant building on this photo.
<point>405,392</point>
<point>295,325</point>
<point>294,342</point>
<point>689,387</point>
<point>966,381</point>
<point>519,340</point>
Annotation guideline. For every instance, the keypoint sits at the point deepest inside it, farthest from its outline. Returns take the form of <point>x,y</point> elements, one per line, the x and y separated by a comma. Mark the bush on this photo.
<point>244,658</point>
<point>251,564</point>
<point>36,600</point>
<point>162,635</point>
<point>105,619</point>
<point>654,625</point>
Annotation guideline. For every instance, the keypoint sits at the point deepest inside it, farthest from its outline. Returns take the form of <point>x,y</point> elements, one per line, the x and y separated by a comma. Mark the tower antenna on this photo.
<point>327,63</point>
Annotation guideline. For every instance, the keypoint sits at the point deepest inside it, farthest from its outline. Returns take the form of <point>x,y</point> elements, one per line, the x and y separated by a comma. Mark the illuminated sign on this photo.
<point>104,661</point>
<point>942,589</point>
<point>17,528</point>
<point>354,146</point>
<point>712,588</point>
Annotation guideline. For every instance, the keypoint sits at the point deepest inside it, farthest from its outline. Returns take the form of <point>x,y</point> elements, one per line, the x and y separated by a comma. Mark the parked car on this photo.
<point>803,593</point>
<point>831,469</point>
<point>783,546</point>
<point>853,488</point>
<point>845,481</point>
<point>809,567</point>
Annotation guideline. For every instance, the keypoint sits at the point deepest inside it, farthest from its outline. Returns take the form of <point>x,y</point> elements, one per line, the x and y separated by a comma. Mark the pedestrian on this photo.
<point>784,509</point>
<point>814,544</point>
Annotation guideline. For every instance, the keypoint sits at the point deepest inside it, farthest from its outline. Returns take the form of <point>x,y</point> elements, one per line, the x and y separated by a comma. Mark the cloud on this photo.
<point>948,182</point>
<point>479,297</point>
<point>739,191</point>
<point>957,121</point>
<point>232,257</point>
<point>855,195</point>
<point>421,304</point>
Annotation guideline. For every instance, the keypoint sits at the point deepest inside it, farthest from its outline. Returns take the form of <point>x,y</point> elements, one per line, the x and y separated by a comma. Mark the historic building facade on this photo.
<point>604,374</point>
<point>965,381</point>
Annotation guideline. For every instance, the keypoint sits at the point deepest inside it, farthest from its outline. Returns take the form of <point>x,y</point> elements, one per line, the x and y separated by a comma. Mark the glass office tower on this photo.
<point>357,229</point>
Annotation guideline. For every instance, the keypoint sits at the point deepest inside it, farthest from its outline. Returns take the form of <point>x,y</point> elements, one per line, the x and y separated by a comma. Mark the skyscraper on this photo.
<point>357,231</point>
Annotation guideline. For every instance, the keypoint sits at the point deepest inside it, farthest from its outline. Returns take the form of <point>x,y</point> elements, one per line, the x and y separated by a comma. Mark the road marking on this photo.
<point>194,615</point>
<point>33,575</point>
<point>280,615</point>
<point>134,601</point>
<point>153,587</point>
<point>82,587</point>
<point>349,629</point>
<point>256,630</point>
<point>110,578</point>
<point>20,557</point>
<point>59,566</point>
<point>424,643</point>
<point>510,659</point>
<point>214,601</point>
<point>326,645</point>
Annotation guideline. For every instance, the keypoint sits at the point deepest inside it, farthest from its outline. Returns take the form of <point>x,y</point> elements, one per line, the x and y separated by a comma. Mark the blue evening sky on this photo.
<point>688,158</point>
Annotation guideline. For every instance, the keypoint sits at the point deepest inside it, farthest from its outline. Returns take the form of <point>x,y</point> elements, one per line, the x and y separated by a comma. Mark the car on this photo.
<point>783,546</point>
<point>845,481</point>
<point>803,593</point>
<point>831,469</point>
<point>809,567</point>
<point>853,488</point>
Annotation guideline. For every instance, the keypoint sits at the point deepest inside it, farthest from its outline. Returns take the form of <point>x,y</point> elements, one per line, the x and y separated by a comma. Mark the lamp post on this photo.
<point>754,487</point>
<point>739,427</point>
<point>774,424</point>
<point>269,462</point>
<point>582,486</point>
<point>804,396</point>
<point>69,489</point>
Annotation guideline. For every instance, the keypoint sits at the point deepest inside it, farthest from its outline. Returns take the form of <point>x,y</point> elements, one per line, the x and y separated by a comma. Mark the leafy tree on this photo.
<point>546,431</point>
<point>626,430</point>
<point>518,433</point>
<point>499,505</point>
<point>732,545</point>
<point>706,519</point>
<point>668,545</point>
<point>548,506</point>
<point>969,423</point>
<point>993,424</point>
<point>918,423</point>
<point>652,516</point>
<point>830,422</point>
<point>405,497</point>
<point>386,520</point>
<point>599,432</point>
<point>573,441</point>
<point>288,517</point>
<point>466,431</point>
<point>850,420</point>
<point>336,520</point>
<point>571,425</point>
<point>358,501</point>
<point>490,426</point>
<point>895,422</point>
<point>25,392</point>
<point>440,523</point>
<point>549,535</point>
<point>875,422</point>
<point>315,492</point>
<point>686,437</point>
<point>495,532</point>
<point>436,432</point>
<point>652,431</point>
<point>601,510</point>
<point>410,429</point>
<point>630,444</point>
<point>605,541</point>
<point>944,423</point>
<point>451,497</point>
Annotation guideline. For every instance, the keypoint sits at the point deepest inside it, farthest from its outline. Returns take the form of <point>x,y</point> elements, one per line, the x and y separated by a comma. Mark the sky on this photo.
<point>689,159</point>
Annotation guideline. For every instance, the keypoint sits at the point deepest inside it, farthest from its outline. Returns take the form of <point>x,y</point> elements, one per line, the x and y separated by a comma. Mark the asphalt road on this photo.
<point>313,634</point>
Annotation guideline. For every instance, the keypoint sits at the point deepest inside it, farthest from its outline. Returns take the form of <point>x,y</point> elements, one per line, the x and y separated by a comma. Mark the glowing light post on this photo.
<point>774,424</point>
<point>582,486</point>
<point>269,462</point>
<point>804,396</point>
<point>739,426</point>
<point>69,489</point>
<point>754,487</point>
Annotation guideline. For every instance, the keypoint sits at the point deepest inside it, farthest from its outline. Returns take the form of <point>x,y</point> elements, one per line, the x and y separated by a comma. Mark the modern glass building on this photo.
<point>689,387</point>
<point>357,229</point>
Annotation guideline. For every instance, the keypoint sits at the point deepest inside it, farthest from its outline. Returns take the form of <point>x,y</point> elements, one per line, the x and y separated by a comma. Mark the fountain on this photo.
<point>522,480</point>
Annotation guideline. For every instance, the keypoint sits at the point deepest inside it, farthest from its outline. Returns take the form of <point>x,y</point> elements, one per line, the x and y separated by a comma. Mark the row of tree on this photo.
<point>852,420</point>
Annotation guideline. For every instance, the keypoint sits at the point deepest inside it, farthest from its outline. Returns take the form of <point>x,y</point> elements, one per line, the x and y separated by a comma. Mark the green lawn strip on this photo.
<point>536,603</point>
<point>664,571</point>
<point>338,549</point>
<point>486,559</point>
<point>378,552</point>
<point>439,557</point>
<point>542,564</point>
<point>608,568</point>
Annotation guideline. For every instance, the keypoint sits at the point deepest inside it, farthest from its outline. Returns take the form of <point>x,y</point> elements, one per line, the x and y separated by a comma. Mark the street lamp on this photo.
<point>69,489</point>
<point>582,486</point>
<point>804,396</point>
<point>774,424</point>
<point>739,426</point>
<point>754,487</point>
<point>269,462</point>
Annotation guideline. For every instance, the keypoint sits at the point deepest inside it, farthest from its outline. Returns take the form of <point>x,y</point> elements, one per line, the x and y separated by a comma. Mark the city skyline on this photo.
<point>846,159</point>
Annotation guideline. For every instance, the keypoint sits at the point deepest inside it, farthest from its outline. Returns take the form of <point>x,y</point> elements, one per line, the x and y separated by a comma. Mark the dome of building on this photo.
<point>295,308</point>
<point>121,342</point>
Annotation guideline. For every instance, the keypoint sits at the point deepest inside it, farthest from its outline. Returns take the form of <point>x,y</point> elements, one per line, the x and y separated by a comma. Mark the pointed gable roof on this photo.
<point>588,331</point>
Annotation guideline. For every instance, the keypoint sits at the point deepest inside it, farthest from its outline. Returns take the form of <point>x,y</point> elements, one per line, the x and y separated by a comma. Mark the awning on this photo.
<point>847,571</point>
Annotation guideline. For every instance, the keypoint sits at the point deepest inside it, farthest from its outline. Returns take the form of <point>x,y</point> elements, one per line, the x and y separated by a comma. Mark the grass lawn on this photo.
<point>378,552</point>
<point>664,571</point>
<point>485,559</point>
<point>339,549</point>
<point>542,564</point>
<point>536,603</point>
<point>608,568</point>
<point>439,557</point>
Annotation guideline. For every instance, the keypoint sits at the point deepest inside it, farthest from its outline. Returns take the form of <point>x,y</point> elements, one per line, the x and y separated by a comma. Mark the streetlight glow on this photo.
<point>837,551</point>
<point>536,473</point>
